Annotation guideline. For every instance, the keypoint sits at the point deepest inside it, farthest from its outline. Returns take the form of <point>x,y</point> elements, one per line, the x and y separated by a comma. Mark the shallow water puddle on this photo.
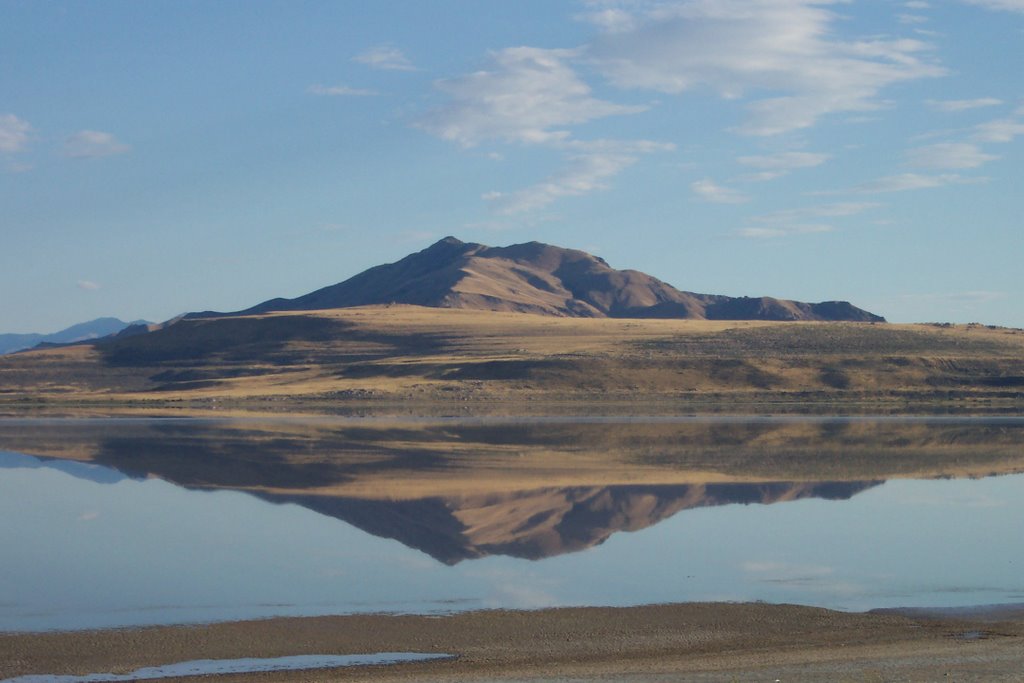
<point>207,667</point>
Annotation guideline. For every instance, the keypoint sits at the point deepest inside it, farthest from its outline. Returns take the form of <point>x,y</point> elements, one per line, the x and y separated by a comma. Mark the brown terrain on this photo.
<point>691,642</point>
<point>525,322</point>
<point>543,279</point>
<point>413,353</point>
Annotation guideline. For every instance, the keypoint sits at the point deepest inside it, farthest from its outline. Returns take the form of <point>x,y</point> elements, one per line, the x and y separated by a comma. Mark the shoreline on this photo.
<point>706,641</point>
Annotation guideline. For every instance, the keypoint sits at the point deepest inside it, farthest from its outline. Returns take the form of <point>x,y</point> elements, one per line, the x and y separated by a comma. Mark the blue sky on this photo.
<point>162,157</point>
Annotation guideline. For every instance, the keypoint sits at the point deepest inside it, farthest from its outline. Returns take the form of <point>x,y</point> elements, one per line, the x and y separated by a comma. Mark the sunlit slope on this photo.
<point>405,352</point>
<point>544,279</point>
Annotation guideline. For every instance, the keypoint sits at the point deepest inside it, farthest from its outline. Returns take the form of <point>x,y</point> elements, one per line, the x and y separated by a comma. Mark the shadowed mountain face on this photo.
<point>544,279</point>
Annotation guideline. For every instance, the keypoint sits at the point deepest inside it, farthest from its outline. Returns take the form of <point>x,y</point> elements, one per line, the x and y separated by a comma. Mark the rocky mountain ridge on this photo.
<point>542,279</point>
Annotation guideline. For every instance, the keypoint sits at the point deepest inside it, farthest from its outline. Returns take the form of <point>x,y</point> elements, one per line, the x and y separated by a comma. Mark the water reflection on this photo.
<point>106,527</point>
<point>543,523</point>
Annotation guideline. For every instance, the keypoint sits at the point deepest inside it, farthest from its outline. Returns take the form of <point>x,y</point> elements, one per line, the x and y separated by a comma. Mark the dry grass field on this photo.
<point>416,353</point>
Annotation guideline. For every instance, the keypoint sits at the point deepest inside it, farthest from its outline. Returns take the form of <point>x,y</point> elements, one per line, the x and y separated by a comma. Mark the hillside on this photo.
<point>542,279</point>
<point>426,354</point>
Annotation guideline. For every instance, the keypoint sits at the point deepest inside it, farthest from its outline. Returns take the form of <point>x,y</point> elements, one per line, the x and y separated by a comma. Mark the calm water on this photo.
<point>215,521</point>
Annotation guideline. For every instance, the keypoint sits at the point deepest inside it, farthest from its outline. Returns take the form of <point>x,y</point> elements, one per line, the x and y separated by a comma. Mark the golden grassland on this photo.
<point>408,353</point>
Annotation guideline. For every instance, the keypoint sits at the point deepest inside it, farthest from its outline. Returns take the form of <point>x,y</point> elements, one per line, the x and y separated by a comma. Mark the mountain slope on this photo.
<point>544,279</point>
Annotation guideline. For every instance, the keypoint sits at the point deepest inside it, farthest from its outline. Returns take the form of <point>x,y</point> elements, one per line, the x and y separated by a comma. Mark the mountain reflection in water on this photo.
<point>460,489</point>
<point>546,522</point>
<point>130,521</point>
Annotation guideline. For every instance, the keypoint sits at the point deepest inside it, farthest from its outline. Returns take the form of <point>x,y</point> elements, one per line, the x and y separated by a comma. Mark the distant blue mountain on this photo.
<point>94,329</point>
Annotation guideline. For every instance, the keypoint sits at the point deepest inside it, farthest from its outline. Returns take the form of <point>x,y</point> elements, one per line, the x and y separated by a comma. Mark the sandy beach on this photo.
<point>694,642</point>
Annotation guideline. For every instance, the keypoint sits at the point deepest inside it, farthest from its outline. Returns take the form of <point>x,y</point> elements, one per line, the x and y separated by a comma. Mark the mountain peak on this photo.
<point>534,277</point>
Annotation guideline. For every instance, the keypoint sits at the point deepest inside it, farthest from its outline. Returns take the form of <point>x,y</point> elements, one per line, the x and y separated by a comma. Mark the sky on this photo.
<point>168,156</point>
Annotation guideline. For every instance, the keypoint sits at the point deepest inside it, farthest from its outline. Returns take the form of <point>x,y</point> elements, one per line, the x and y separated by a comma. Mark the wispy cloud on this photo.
<point>532,96</point>
<point>999,130</point>
<point>1004,5</point>
<point>801,221</point>
<point>903,182</point>
<point>912,19</point>
<point>777,165</point>
<point>529,95</point>
<point>833,210</point>
<point>945,155</point>
<point>88,285</point>
<point>91,144</point>
<point>386,57</point>
<point>591,165</point>
<point>710,191</point>
<point>339,91</point>
<point>742,48</point>
<point>14,134</point>
<point>963,105</point>
<point>789,230</point>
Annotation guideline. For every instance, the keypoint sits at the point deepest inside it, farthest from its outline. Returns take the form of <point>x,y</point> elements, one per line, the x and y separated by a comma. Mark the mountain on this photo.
<point>93,329</point>
<point>544,279</point>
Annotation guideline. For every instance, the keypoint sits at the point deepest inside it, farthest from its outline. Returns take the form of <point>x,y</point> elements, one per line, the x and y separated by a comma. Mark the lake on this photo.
<point>131,521</point>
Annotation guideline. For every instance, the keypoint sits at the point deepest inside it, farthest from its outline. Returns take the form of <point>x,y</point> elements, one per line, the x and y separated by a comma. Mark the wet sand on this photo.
<point>693,642</point>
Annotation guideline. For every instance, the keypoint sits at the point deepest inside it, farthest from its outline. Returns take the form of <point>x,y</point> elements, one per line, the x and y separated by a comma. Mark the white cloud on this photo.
<point>912,181</point>
<point>1004,5</point>
<point>387,57</point>
<point>833,210</point>
<point>584,174</point>
<point>777,165</point>
<point>610,19</point>
<point>13,134</point>
<point>591,166</point>
<point>90,144</point>
<point>339,91</point>
<point>1000,130</point>
<point>710,191</point>
<point>802,221</point>
<point>533,96</point>
<point>912,19</point>
<point>529,95</point>
<point>787,231</point>
<point>948,155</point>
<point>88,285</point>
<point>963,105</point>
<point>741,47</point>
